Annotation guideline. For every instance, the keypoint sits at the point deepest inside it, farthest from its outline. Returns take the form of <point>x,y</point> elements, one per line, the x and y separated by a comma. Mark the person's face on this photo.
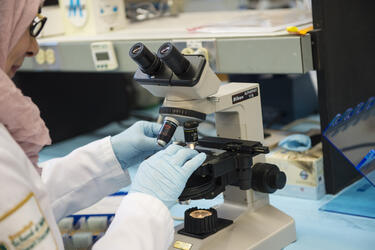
<point>27,46</point>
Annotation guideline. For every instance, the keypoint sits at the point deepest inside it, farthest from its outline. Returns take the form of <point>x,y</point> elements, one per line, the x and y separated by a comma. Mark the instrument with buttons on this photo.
<point>92,16</point>
<point>104,56</point>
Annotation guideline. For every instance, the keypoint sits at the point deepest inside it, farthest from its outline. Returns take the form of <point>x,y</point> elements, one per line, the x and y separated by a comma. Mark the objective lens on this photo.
<point>147,61</point>
<point>167,131</point>
<point>174,59</point>
<point>191,132</point>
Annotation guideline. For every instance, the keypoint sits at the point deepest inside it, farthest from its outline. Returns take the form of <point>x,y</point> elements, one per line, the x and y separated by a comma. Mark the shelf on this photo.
<point>274,52</point>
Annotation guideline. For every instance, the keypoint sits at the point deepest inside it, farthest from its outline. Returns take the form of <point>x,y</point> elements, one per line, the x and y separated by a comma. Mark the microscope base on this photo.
<point>266,228</point>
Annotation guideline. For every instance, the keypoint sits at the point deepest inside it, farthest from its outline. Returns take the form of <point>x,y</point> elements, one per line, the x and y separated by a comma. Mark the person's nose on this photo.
<point>33,48</point>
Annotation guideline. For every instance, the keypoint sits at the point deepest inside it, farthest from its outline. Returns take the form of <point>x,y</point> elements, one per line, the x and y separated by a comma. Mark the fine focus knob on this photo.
<point>200,221</point>
<point>267,178</point>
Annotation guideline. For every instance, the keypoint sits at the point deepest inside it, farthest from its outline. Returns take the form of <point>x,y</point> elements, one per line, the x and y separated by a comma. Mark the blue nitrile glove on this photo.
<point>297,142</point>
<point>164,175</point>
<point>136,143</point>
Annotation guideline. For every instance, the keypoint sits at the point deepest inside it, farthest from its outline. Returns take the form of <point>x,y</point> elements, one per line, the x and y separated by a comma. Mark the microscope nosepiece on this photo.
<point>167,131</point>
<point>147,61</point>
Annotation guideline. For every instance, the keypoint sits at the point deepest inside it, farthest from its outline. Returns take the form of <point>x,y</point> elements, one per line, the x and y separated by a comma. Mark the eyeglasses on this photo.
<point>37,25</point>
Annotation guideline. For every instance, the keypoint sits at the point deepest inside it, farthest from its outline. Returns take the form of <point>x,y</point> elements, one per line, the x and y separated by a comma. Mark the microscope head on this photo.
<point>181,79</point>
<point>173,75</point>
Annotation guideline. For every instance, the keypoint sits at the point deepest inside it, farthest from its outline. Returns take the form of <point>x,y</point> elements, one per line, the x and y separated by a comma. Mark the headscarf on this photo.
<point>17,112</point>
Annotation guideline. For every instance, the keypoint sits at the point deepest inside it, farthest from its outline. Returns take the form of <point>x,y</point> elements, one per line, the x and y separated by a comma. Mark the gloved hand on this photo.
<point>136,143</point>
<point>164,175</point>
<point>296,142</point>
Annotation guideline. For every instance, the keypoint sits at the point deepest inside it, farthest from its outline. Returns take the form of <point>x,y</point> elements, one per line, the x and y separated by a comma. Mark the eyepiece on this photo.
<point>167,131</point>
<point>136,49</point>
<point>170,55</point>
<point>147,61</point>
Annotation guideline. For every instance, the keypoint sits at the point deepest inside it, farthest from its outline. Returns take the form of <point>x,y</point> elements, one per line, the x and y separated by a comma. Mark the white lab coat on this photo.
<point>30,205</point>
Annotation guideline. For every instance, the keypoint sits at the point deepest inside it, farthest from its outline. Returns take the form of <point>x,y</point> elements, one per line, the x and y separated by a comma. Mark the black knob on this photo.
<point>267,178</point>
<point>200,221</point>
<point>176,61</point>
<point>147,61</point>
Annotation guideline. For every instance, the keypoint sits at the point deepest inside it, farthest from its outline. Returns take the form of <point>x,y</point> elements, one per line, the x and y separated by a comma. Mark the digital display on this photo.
<point>102,56</point>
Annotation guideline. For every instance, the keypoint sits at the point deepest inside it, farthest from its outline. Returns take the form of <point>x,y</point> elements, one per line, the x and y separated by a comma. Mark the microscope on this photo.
<point>235,158</point>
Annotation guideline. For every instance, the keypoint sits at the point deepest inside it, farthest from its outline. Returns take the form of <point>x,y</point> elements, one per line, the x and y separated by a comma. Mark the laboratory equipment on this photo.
<point>92,16</point>
<point>343,60</point>
<point>192,90</point>
<point>167,131</point>
<point>357,200</point>
<point>352,133</point>
<point>140,10</point>
<point>104,56</point>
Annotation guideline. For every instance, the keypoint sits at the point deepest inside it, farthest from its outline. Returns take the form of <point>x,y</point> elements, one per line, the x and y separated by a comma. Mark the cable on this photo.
<point>363,145</point>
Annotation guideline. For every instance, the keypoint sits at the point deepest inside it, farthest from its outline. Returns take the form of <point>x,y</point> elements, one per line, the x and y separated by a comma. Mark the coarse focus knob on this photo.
<point>200,221</point>
<point>267,178</point>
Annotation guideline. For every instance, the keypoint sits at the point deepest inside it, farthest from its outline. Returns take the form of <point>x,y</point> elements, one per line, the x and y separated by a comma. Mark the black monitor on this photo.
<point>72,103</point>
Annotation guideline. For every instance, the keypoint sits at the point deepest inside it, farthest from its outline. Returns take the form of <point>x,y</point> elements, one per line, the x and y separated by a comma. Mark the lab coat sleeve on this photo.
<point>24,201</point>
<point>142,222</point>
<point>83,177</point>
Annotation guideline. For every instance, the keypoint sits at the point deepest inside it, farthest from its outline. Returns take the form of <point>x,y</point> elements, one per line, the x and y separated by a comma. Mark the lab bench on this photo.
<point>316,229</point>
<point>236,51</point>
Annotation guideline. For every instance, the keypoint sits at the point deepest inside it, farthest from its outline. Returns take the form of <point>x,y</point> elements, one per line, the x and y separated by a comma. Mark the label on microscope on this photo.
<point>244,95</point>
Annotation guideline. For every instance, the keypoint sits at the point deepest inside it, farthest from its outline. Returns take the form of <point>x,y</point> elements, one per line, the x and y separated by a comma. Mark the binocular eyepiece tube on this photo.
<point>151,64</point>
<point>173,58</point>
<point>147,61</point>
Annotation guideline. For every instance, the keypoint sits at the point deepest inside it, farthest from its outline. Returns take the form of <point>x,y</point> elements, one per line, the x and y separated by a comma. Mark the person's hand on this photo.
<point>164,175</point>
<point>136,143</point>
